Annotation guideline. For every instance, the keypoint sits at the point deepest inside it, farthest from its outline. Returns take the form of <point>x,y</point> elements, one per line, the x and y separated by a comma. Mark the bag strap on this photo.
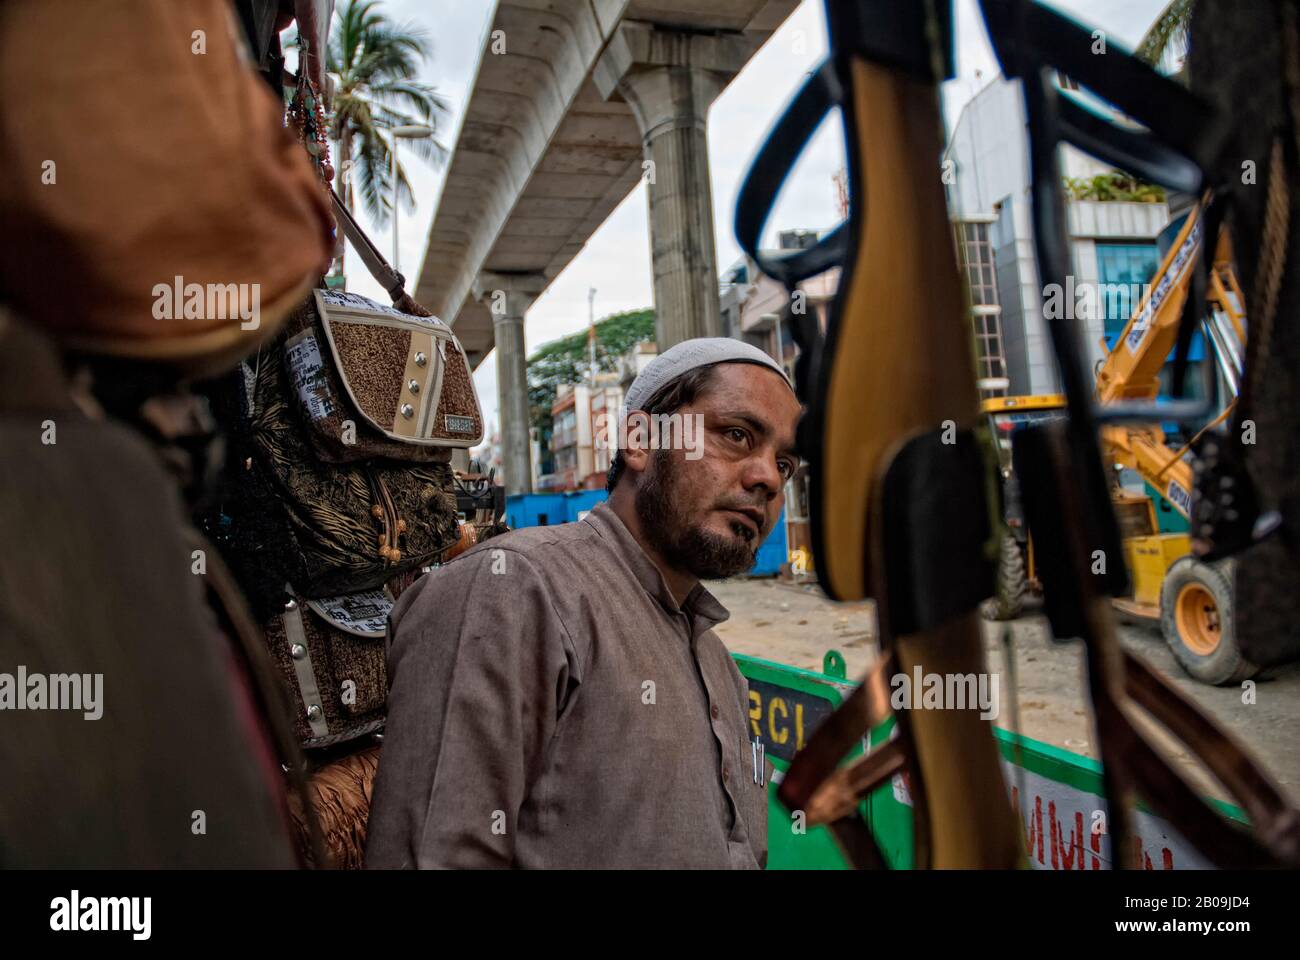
<point>379,268</point>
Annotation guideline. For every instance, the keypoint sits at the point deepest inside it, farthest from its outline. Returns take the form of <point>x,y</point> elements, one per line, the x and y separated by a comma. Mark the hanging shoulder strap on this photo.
<point>379,268</point>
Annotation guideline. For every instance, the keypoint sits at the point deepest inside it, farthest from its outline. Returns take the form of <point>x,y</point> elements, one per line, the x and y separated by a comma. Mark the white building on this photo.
<point>986,169</point>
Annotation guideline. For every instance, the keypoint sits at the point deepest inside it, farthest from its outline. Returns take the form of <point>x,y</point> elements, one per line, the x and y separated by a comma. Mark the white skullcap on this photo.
<point>687,355</point>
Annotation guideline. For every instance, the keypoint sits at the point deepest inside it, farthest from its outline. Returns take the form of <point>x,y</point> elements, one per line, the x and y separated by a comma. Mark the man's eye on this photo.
<point>737,434</point>
<point>787,469</point>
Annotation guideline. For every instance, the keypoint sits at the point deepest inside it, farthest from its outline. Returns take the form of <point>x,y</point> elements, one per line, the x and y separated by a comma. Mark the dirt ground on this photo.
<point>796,624</point>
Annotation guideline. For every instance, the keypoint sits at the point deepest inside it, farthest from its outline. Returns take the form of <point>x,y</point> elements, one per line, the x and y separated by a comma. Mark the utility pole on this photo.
<point>591,335</point>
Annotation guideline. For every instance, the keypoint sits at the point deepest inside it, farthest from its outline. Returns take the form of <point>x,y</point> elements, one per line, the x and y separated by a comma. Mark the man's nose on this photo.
<point>763,471</point>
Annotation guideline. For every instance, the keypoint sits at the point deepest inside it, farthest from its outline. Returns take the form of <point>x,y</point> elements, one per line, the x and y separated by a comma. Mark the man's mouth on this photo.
<point>750,520</point>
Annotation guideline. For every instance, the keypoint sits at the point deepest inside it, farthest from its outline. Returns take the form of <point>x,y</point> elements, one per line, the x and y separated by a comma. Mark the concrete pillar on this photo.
<point>508,297</point>
<point>669,79</point>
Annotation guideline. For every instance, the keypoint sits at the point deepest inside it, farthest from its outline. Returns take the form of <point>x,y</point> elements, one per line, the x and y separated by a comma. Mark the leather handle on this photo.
<point>379,268</point>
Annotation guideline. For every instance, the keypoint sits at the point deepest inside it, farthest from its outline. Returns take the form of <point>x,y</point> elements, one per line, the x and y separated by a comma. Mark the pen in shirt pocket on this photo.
<point>758,752</point>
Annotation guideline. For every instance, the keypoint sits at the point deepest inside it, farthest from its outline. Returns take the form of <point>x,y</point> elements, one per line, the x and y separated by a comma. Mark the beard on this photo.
<point>685,545</point>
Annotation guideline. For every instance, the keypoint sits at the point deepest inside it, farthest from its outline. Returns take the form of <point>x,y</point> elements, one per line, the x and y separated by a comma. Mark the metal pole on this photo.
<point>396,266</point>
<point>789,484</point>
<point>414,131</point>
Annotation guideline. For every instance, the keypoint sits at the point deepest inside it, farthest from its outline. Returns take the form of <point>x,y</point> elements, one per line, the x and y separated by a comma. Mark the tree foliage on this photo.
<point>1168,35</point>
<point>373,63</point>
<point>567,360</point>
<point>1114,185</point>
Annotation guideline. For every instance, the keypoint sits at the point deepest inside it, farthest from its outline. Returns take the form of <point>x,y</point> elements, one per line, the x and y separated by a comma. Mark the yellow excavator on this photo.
<point>1192,600</point>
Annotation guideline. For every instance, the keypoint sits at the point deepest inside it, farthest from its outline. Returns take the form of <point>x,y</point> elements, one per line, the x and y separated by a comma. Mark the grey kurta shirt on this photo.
<point>551,705</point>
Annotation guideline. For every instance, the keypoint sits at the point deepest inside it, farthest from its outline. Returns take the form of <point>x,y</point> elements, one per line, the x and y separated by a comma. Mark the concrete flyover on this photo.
<point>574,102</point>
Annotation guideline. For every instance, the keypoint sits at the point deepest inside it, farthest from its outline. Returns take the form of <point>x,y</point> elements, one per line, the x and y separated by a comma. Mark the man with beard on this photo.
<point>557,697</point>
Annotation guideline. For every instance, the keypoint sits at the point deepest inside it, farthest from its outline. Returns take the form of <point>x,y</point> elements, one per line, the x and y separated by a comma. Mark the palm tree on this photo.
<point>372,63</point>
<point>1167,36</point>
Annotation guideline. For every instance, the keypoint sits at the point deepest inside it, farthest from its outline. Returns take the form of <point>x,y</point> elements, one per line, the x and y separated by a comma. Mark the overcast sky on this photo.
<point>616,260</point>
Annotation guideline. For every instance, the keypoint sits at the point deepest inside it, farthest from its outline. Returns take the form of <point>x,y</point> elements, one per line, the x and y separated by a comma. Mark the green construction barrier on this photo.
<point>1058,793</point>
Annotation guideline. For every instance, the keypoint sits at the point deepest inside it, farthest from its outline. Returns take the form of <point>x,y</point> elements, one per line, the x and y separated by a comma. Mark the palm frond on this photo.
<point>374,64</point>
<point>373,175</point>
<point>1168,35</point>
<point>419,97</point>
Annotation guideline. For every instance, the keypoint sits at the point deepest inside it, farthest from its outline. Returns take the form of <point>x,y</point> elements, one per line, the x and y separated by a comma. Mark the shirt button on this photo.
<point>714,711</point>
<point>726,774</point>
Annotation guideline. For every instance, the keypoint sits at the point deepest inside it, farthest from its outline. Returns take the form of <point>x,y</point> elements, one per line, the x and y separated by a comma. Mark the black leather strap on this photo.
<point>914,37</point>
<point>1028,36</point>
<point>1129,149</point>
<point>936,523</point>
<point>1183,144</point>
<point>776,158</point>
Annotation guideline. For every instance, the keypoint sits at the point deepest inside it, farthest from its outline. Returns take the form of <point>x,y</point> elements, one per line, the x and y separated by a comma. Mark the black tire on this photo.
<point>1009,601</point>
<point>1223,664</point>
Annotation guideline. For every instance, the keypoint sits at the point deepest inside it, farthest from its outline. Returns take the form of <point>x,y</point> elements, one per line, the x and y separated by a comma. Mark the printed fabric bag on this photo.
<point>351,417</point>
<point>341,489</point>
<point>331,653</point>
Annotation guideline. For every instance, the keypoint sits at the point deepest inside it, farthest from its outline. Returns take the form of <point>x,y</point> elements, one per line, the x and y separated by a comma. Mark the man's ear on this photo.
<point>636,441</point>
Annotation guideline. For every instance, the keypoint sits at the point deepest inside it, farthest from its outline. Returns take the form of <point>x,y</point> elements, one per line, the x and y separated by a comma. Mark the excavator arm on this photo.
<point>1130,372</point>
<point>1131,369</point>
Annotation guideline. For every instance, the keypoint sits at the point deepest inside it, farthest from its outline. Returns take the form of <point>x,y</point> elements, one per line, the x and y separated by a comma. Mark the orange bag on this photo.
<point>154,206</point>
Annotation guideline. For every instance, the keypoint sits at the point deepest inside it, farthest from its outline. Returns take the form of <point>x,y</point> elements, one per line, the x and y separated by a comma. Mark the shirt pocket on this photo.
<point>752,784</point>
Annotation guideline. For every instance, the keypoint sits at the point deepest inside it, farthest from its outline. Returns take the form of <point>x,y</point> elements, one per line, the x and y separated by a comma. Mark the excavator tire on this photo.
<point>1009,601</point>
<point>1196,617</point>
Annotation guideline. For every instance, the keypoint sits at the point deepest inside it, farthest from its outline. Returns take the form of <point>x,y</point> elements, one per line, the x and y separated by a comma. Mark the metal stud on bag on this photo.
<point>413,386</point>
<point>408,411</point>
<point>421,360</point>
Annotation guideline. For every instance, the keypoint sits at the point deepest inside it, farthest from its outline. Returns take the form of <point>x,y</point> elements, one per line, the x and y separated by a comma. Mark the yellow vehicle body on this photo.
<point>1149,559</point>
<point>1027,404</point>
<point>1148,553</point>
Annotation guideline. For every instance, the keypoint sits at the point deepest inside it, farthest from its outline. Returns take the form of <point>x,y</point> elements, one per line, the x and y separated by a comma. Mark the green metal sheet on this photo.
<point>1059,793</point>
